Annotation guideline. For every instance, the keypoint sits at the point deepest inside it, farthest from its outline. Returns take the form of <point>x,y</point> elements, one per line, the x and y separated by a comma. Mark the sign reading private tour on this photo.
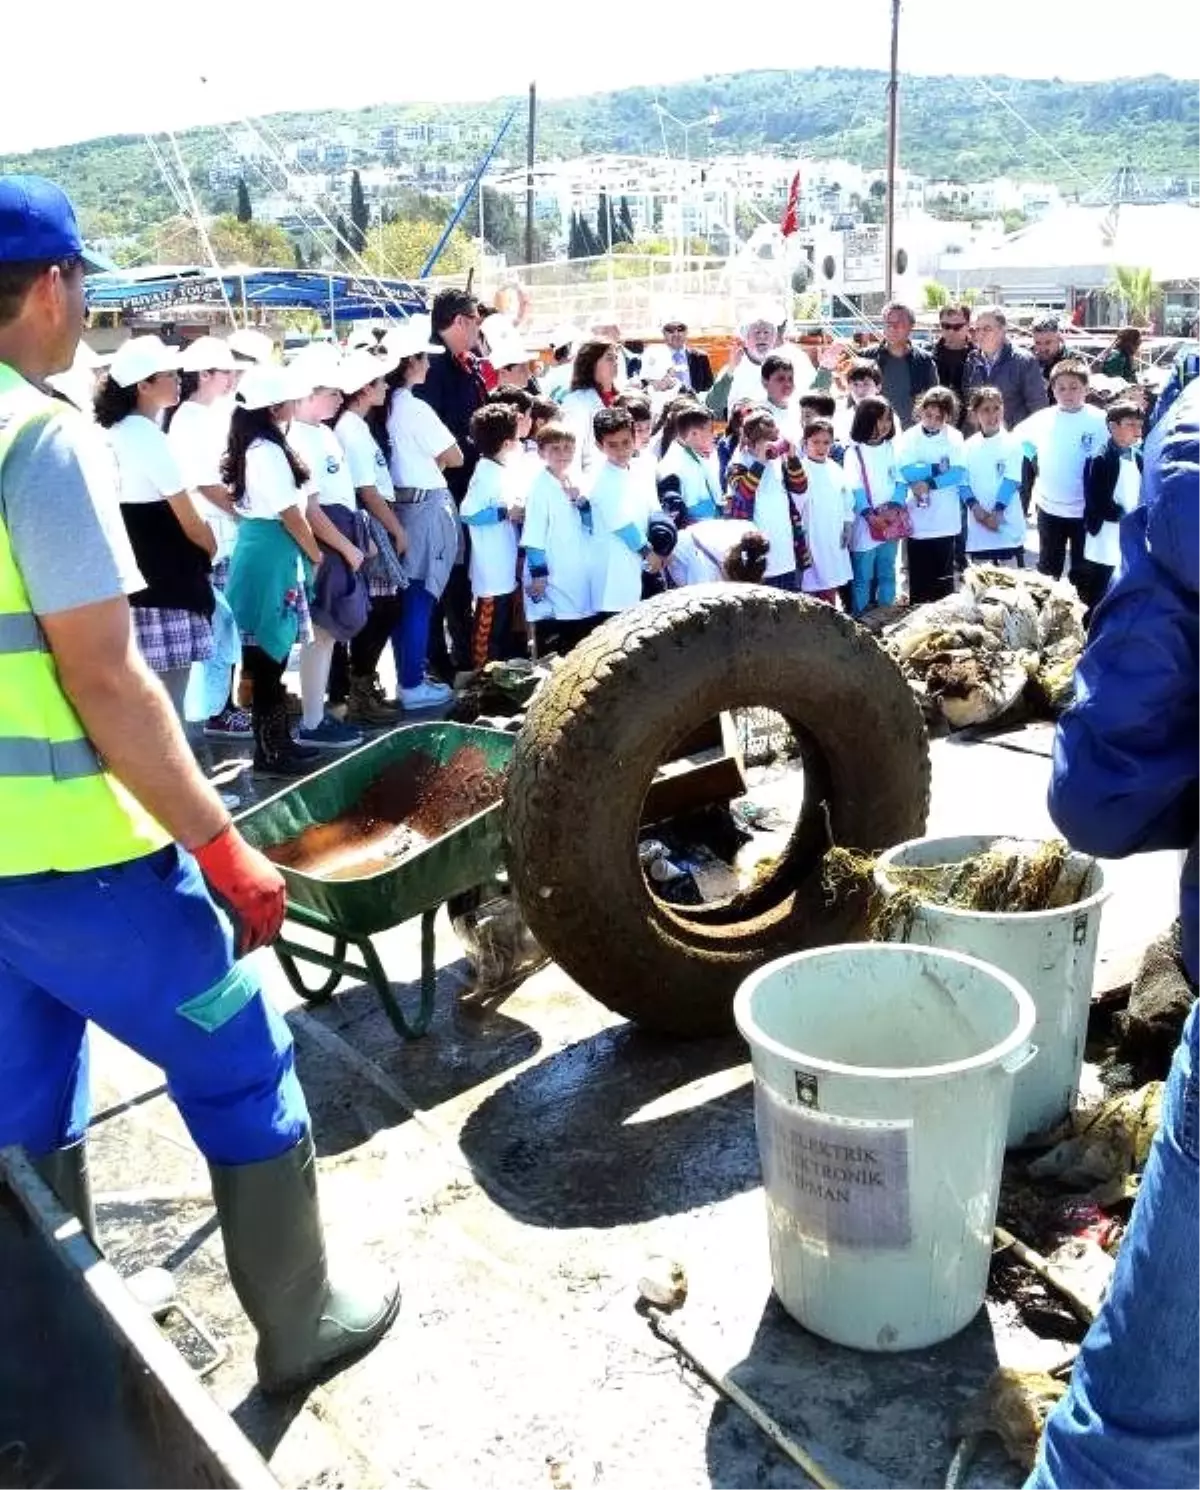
<point>843,1180</point>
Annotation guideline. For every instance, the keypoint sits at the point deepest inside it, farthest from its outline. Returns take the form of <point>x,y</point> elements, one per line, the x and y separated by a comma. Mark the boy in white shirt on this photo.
<point>493,511</point>
<point>619,513</point>
<point>992,493</point>
<point>689,475</point>
<point>558,543</point>
<point>1061,439</point>
<point>644,464</point>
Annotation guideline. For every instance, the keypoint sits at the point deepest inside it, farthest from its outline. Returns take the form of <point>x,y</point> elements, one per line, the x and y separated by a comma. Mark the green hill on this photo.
<point>963,128</point>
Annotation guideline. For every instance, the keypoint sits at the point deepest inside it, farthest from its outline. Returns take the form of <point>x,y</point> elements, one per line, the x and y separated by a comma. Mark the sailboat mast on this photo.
<point>893,129</point>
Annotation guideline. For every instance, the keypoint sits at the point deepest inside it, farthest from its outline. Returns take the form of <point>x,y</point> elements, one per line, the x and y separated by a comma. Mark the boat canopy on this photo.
<point>340,296</point>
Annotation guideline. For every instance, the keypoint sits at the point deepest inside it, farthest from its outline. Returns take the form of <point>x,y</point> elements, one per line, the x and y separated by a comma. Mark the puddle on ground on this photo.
<point>411,803</point>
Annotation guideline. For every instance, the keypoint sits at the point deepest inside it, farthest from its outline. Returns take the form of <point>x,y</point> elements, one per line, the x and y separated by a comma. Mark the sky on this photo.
<point>132,66</point>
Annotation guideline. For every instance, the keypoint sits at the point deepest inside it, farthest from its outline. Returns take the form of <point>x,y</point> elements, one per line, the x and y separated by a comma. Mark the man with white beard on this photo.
<point>741,378</point>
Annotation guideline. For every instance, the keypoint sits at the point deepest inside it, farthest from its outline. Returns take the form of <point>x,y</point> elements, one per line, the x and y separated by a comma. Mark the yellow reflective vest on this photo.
<point>59,808</point>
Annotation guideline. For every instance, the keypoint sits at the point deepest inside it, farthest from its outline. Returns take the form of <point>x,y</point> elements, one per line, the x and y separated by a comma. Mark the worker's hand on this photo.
<point>516,512</point>
<point>400,541</point>
<point>847,529</point>
<point>831,356</point>
<point>655,563</point>
<point>920,490</point>
<point>248,886</point>
<point>537,587</point>
<point>354,557</point>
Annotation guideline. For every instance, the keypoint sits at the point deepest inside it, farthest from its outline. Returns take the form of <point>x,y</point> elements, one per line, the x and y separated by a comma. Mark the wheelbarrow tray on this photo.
<point>467,856</point>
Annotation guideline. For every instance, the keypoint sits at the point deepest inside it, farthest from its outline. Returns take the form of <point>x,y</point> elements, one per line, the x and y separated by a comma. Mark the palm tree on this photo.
<point>1135,289</point>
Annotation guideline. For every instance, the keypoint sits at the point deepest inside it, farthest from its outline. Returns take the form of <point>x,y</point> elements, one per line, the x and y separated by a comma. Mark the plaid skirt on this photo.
<point>295,600</point>
<point>170,639</point>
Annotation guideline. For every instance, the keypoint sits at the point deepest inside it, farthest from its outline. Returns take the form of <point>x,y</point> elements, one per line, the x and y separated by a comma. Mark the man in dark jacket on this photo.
<point>677,367</point>
<point>1048,345</point>
<point>907,370</point>
<point>454,388</point>
<point>1126,782</point>
<point>952,348</point>
<point>995,363</point>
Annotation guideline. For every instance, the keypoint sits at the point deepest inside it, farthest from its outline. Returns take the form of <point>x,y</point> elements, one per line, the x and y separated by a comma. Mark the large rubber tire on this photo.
<point>590,745</point>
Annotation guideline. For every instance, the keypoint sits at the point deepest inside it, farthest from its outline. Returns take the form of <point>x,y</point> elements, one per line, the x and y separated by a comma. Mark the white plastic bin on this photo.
<point>882,1082</point>
<point>1052,954</point>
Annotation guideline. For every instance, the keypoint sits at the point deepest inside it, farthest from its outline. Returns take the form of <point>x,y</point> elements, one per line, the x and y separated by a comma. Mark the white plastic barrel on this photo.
<point>1052,954</point>
<point>882,1082</point>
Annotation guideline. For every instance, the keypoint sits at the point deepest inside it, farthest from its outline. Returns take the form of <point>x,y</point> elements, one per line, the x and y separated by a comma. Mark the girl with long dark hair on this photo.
<point>172,543</point>
<point>274,557</point>
<point>422,448</point>
<point>593,387</point>
<point>197,431</point>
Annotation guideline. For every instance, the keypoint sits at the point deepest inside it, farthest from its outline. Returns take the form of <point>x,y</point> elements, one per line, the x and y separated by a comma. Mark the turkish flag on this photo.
<point>790,221</point>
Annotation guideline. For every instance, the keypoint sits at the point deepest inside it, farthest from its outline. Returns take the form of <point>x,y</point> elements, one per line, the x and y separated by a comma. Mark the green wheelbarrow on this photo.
<point>347,912</point>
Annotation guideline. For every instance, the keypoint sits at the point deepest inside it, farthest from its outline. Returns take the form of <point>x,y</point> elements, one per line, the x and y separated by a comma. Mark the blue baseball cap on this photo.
<point>37,224</point>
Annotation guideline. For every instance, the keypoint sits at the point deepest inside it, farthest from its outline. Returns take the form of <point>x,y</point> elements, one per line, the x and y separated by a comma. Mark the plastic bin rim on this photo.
<point>995,1055</point>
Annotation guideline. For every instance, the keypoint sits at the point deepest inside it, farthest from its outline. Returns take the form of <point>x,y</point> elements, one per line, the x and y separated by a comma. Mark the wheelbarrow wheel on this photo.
<point>609,714</point>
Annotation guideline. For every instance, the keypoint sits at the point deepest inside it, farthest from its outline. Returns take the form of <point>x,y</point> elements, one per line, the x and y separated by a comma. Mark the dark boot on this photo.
<point>275,752</point>
<point>367,705</point>
<point>66,1172</point>
<point>275,1253</point>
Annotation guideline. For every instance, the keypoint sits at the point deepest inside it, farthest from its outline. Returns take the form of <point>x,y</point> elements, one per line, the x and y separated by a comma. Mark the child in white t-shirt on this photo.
<point>1061,440</point>
<point>930,456</point>
<point>689,474</point>
<point>493,511</point>
<point>620,517</point>
<point>558,542</point>
<point>992,493</point>
<point>644,463</point>
<point>827,511</point>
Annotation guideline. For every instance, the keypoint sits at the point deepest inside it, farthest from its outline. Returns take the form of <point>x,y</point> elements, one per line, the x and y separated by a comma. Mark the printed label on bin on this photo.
<point>843,1180</point>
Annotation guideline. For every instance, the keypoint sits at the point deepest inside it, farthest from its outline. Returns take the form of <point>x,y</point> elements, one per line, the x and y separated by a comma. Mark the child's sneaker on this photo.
<point>426,696</point>
<point>330,735</point>
<point>229,724</point>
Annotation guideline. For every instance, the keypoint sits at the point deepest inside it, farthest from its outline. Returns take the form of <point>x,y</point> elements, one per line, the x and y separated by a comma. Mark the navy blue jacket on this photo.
<point>1126,778</point>
<point>1100,473</point>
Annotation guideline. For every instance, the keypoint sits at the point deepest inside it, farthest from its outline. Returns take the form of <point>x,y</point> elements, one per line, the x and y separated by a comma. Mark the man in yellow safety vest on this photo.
<point>127,896</point>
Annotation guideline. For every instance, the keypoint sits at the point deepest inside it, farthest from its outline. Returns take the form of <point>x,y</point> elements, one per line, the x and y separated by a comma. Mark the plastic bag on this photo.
<point>499,945</point>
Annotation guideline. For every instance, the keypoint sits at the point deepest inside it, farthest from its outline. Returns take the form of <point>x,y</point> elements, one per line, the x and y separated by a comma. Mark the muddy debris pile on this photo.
<point>413,802</point>
<point>1008,638</point>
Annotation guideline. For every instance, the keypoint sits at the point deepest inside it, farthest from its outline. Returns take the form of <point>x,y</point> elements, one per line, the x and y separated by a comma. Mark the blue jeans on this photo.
<point>142,950</point>
<point>410,636</point>
<point>878,566</point>
<point>1131,1416</point>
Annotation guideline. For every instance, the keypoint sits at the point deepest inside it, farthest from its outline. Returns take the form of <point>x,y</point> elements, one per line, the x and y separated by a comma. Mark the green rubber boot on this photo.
<point>275,1252</point>
<point>66,1172</point>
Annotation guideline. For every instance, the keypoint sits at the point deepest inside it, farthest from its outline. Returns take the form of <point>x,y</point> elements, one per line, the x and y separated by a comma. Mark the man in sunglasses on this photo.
<point>675,367</point>
<point>951,348</point>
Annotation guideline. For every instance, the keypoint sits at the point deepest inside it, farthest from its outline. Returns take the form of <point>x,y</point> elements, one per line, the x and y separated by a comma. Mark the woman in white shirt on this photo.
<point>171,541</point>
<point>273,558</point>
<point>420,448</point>
<point>317,445</point>
<point>363,376</point>
<point>197,430</point>
<point>593,387</point>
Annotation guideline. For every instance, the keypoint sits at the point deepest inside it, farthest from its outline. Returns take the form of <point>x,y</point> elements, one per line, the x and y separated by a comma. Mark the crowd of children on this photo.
<point>312,507</point>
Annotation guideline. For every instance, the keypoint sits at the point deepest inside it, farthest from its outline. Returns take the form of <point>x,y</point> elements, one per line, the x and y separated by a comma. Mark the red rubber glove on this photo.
<point>248,886</point>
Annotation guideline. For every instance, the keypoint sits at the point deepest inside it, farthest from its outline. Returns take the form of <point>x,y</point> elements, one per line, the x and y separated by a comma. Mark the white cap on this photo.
<point>207,354</point>
<point>505,345</point>
<point>268,384</point>
<point>362,367</point>
<point>320,364</point>
<point>142,357</point>
<point>411,338</point>
<point>366,338</point>
<point>89,359</point>
<point>251,345</point>
<point>563,336</point>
